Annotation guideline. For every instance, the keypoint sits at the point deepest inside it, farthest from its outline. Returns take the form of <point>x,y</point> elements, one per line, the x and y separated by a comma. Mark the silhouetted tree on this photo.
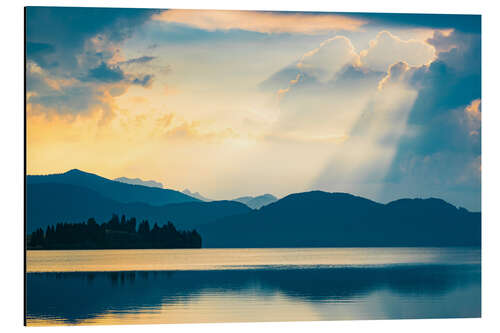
<point>144,227</point>
<point>116,233</point>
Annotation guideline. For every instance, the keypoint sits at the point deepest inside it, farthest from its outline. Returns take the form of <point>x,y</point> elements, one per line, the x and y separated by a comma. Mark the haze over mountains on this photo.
<point>196,195</point>
<point>50,203</point>
<point>252,202</point>
<point>115,190</point>
<point>138,181</point>
<point>299,220</point>
<point>258,201</point>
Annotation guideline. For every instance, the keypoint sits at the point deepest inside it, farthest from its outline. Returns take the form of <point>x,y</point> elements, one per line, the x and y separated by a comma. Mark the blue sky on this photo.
<point>232,103</point>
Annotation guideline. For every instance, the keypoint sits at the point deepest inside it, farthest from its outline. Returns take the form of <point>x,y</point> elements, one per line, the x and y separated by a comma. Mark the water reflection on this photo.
<point>397,291</point>
<point>224,259</point>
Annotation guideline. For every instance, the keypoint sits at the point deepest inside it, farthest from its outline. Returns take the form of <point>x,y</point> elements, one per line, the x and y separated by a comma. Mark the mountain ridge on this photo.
<point>258,201</point>
<point>323,219</point>
<point>138,181</point>
<point>115,190</point>
<point>50,203</point>
<point>306,219</point>
<point>196,195</point>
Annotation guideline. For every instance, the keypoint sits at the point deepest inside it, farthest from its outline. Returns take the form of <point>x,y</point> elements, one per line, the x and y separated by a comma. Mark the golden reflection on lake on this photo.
<point>208,259</point>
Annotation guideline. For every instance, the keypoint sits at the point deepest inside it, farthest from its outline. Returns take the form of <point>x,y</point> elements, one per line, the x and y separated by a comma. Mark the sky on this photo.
<point>233,103</point>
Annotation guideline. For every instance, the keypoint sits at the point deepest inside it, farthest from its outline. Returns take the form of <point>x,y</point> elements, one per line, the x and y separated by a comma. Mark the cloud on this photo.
<point>67,31</point>
<point>387,49</point>
<point>473,117</point>
<point>105,73</point>
<point>337,59</point>
<point>263,22</point>
<point>192,131</point>
<point>473,110</point>
<point>333,56</point>
<point>463,23</point>
<point>442,154</point>
<point>145,80</point>
<point>442,41</point>
<point>74,56</point>
<point>78,99</point>
<point>329,89</point>
<point>461,51</point>
<point>326,60</point>
<point>37,52</point>
<point>138,60</point>
<point>93,92</point>
<point>280,79</point>
<point>405,111</point>
<point>396,73</point>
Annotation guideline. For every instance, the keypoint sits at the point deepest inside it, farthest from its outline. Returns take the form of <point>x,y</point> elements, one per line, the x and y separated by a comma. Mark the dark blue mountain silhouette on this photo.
<point>298,220</point>
<point>338,219</point>
<point>50,203</point>
<point>114,190</point>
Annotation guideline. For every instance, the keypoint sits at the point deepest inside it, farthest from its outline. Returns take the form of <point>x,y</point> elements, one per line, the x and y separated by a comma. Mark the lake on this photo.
<point>248,285</point>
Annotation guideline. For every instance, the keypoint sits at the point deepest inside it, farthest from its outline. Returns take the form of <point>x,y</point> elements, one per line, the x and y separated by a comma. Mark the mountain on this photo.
<point>196,195</point>
<point>50,203</point>
<point>138,181</point>
<point>114,190</point>
<point>321,219</point>
<point>257,202</point>
<point>252,202</point>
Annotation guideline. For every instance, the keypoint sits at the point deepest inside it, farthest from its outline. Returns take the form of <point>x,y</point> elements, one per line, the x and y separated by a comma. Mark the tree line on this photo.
<point>115,234</point>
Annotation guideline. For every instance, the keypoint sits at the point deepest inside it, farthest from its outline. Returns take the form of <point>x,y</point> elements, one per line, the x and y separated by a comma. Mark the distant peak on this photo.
<point>139,181</point>
<point>196,195</point>
<point>258,201</point>
<point>75,172</point>
<point>72,172</point>
<point>267,195</point>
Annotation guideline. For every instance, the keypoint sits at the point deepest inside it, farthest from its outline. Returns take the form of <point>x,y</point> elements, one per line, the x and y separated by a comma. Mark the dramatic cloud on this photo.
<point>326,60</point>
<point>460,51</point>
<point>442,158</point>
<point>64,31</point>
<point>74,56</point>
<point>387,119</point>
<point>329,91</point>
<point>263,22</point>
<point>337,56</point>
<point>387,49</point>
<point>442,41</point>
<point>396,73</point>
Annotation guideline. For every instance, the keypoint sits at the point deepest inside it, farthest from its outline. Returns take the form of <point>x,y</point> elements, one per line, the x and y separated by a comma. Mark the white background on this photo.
<point>11,157</point>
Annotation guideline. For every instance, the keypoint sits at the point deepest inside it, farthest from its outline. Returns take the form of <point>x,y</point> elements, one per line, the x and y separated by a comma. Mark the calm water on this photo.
<point>242,285</point>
